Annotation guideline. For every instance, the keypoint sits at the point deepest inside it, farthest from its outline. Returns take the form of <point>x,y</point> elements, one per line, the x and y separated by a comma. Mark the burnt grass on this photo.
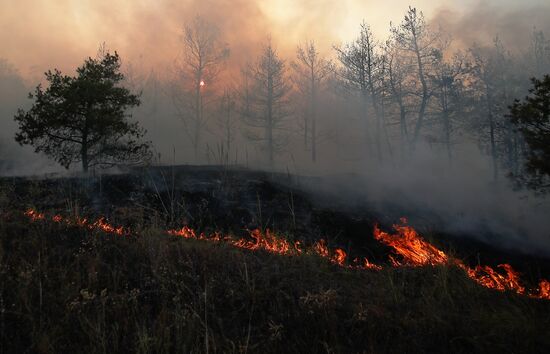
<point>68,289</point>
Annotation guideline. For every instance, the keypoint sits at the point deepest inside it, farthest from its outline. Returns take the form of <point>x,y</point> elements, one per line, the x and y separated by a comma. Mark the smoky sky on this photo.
<point>40,34</point>
<point>512,22</point>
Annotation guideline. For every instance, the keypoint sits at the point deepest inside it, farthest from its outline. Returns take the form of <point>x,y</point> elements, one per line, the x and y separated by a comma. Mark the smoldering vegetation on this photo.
<point>418,122</point>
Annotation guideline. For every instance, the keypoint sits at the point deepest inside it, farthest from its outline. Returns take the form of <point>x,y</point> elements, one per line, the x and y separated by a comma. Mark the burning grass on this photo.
<point>70,283</point>
<point>406,243</point>
<point>73,288</point>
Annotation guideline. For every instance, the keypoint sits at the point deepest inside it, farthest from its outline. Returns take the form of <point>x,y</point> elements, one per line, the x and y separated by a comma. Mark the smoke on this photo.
<point>485,20</point>
<point>462,198</point>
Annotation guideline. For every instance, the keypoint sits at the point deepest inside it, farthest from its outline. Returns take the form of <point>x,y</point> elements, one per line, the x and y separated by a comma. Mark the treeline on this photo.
<point>408,89</point>
<point>372,99</point>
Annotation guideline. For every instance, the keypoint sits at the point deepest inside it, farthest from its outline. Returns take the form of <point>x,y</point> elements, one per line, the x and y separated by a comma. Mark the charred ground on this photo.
<point>65,288</point>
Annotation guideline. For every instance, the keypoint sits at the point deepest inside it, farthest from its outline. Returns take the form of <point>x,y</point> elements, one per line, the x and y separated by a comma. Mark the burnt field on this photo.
<point>130,283</point>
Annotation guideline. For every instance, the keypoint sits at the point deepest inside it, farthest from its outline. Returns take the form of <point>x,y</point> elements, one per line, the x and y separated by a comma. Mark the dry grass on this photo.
<point>65,289</point>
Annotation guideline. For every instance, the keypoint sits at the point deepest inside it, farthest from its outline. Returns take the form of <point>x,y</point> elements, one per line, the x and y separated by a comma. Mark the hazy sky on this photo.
<point>41,34</point>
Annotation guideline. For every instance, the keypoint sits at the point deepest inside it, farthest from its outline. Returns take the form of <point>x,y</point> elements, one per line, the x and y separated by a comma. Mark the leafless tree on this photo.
<point>227,121</point>
<point>203,56</point>
<point>414,38</point>
<point>267,108</point>
<point>448,79</point>
<point>311,72</point>
<point>362,70</point>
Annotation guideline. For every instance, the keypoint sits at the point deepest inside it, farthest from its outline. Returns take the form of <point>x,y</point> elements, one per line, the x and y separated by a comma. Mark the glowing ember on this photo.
<point>543,291</point>
<point>369,265</point>
<point>202,83</point>
<point>34,215</point>
<point>407,244</point>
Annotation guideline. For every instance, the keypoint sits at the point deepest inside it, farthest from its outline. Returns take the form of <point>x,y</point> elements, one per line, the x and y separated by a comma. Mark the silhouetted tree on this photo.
<point>414,38</point>
<point>398,89</point>
<point>532,119</point>
<point>447,79</point>
<point>312,70</point>
<point>362,71</point>
<point>203,56</point>
<point>227,121</point>
<point>83,118</point>
<point>268,106</point>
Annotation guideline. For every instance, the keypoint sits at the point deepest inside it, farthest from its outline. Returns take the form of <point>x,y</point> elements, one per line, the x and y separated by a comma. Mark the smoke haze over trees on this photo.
<point>419,107</point>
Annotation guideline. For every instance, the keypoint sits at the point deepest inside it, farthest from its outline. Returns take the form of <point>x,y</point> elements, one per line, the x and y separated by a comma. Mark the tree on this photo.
<point>396,70</point>
<point>267,109</point>
<point>539,54</point>
<point>84,118</point>
<point>415,38</point>
<point>227,123</point>
<point>494,82</point>
<point>362,71</point>
<point>312,70</point>
<point>204,54</point>
<point>448,90</point>
<point>532,119</point>
<point>12,92</point>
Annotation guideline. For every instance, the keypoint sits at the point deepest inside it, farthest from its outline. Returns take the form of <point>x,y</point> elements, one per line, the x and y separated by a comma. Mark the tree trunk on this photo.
<point>269,125</point>
<point>424,102</point>
<point>313,118</point>
<point>84,148</point>
<point>84,153</point>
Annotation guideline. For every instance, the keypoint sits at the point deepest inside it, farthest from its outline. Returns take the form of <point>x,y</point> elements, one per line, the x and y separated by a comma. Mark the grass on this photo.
<point>65,289</point>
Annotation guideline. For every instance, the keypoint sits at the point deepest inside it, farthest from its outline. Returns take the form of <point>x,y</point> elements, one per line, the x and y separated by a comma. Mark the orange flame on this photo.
<point>100,224</point>
<point>415,251</point>
<point>412,249</point>
<point>408,244</point>
<point>34,215</point>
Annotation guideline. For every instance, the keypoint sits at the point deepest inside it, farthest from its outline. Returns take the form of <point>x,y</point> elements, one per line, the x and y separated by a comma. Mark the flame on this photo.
<point>543,290</point>
<point>202,83</point>
<point>100,224</point>
<point>34,215</point>
<point>268,242</point>
<point>415,251</point>
<point>407,244</point>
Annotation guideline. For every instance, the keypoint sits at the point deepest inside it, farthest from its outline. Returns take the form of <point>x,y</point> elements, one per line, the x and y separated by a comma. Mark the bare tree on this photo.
<point>311,72</point>
<point>539,54</point>
<point>267,108</point>
<point>413,37</point>
<point>362,70</point>
<point>203,56</point>
<point>398,90</point>
<point>227,121</point>
<point>448,79</point>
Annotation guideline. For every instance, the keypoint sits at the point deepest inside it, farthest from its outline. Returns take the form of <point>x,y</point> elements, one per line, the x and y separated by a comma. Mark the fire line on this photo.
<point>406,243</point>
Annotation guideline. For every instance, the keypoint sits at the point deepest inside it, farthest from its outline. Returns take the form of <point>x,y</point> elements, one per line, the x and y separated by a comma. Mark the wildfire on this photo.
<point>415,251</point>
<point>407,243</point>
<point>411,248</point>
<point>100,224</point>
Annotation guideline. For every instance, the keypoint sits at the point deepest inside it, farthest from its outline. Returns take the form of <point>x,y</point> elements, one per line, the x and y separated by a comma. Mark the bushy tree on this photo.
<point>532,118</point>
<point>84,118</point>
